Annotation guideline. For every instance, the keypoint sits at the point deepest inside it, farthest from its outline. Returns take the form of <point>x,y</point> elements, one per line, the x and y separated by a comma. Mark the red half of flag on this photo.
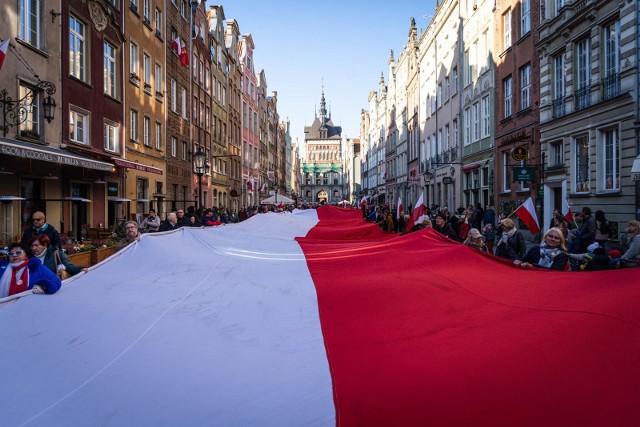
<point>527,213</point>
<point>566,211</point>
<point>176,46</point>
<point>3,51</point>
<point>184,57</point>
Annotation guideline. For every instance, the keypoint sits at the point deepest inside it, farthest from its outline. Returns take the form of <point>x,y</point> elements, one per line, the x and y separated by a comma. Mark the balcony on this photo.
<point>583,98</point>
<point>558,105</point>
<point>611,86</point>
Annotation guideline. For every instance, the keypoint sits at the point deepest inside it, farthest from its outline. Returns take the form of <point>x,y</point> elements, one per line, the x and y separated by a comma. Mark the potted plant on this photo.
<point>78,254</point>
<point>103,249</point>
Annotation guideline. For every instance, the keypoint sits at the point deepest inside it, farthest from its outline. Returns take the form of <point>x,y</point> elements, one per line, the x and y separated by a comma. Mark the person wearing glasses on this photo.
<point>550,254</point>
<point>182,219</point>
<point>20,274</point>
<point>40,226</point>
<point>131,234</point>
<point>41,248</point>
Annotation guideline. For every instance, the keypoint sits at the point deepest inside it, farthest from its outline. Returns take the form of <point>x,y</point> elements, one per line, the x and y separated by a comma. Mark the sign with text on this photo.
<point>520,153</point>
<point>524,173</point>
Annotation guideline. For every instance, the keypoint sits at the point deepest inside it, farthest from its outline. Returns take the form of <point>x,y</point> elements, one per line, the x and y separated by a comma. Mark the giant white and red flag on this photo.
<point>418,212</point>
<point>317,317</point>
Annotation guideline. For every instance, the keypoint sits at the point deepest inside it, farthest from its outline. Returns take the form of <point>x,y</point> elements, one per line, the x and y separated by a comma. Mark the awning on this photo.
<point>635,170</point>
<point>137,166</point>
<point>10,198</point>
<point>28,150</point>
<point>118,199</point>
<point>77,199</point>
<point>470,167</point>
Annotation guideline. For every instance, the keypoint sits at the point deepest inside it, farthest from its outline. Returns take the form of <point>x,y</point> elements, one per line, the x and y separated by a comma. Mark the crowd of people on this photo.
<point>576,246</point>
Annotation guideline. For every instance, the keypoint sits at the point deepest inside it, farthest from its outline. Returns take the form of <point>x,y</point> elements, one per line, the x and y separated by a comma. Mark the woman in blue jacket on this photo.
<point>21,274</point>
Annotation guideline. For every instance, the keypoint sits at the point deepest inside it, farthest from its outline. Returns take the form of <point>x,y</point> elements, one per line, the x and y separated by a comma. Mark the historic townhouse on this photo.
<point>273,142</point>
<point>477,102</point>
<point>295,171</point>
<point>440,107</point>
<point>588,106</point>
<point>518,161</point>
<point>250,136</point>
<point>234,111</point>
<point>223,164</point>
<point>376,133</point>
<point>145,107</point>
<point>365,137</point>
<point>281,152</point>
<point>288,161</point>
<point>322,165</point>
<point>407,116</point>
<point>352,172</point>
<point>33,163</point>
<point>178,133</point>
<point>265,137</point>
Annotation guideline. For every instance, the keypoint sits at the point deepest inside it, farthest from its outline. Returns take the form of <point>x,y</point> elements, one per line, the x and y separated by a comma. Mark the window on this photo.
<point>158,23</point>
<point>255,122</point>
<point>244,114</point>
<point>174,146</point>
<point>447,88</point>
<point>77,48</point>
<point>111,133</point>
<point>30,22</point>
<point>468,68</point>
<point>486,117</point>
<point>184,103</point>
<point>78,127</point>
<point>583,74</point>
<point>158,79</point>
<point>30,112</point>
<point>454,139</point>
<point>133,123</point>
<point>158,136</point>
<point>183,8</point>
<point>525,17</point>
<point>185,151</point>
<point>109,70</point>
<point>439,95</point>
<point>523,184</point>
<point>174,96</point>
<point>558,76</point>
<point>146,68</point>
<point>581,164</point>
<point>525,87</point>
<point>556,153</point>
<point>610,174</point>
<point>611,46</point>
<point>454,80</point>
<point>146,129</point>
<point>559,5</point>
<point>506,30</point>
<point>134,65</point>
<point>467,126</point>
<point>447,138</point>
<point>476,121</point>
<point>146,11</point>
<point>506,88</point>
<point>506,185</point>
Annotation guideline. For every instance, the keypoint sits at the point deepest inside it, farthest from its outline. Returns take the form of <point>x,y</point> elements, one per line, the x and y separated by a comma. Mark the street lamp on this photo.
<point>16,112</point>
<point>200,167</point>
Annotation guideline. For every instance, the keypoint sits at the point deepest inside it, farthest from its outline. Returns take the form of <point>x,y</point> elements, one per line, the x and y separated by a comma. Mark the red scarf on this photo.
<point>19,278</point>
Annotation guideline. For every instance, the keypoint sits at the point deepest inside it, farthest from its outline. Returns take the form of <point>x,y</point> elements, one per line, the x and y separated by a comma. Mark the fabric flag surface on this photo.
<point>318,318</point>
<point>527,213</point>
<point>4,46</point>
<point>184,56</point>
<point>418,211</point>
<point>566,212</point>
<point>176,46</point>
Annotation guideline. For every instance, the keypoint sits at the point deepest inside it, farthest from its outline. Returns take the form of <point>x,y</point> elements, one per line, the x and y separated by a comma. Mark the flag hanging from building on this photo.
<point>566,211</point>
<point>527,213</point>
<point>417,212</point>
<point>250,184</point>
<point>399,212</point>
<point>264,187</point>
<point>4,46</point>
<point>184,56</point>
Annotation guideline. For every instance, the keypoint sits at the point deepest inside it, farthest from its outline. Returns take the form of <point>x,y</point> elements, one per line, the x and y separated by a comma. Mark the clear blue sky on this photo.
<point>345,44</point>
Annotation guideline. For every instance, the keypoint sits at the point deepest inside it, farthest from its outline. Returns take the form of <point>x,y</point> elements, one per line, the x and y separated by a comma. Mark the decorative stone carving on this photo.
<point>98,15</point>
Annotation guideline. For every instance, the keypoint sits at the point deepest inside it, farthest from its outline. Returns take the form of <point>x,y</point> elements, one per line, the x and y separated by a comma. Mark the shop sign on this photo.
<point>523,173</point>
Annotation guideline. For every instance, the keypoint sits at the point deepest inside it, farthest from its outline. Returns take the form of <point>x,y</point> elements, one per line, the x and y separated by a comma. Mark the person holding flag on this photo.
<point>550,253</point>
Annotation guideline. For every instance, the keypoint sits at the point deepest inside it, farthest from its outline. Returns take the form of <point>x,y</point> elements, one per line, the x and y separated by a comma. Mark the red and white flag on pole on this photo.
<point>3,50</point>
<point>566,211</point>
<point>399,207</point>
<point>176,46</point>
<point>417,212</point>
<point>527,213</point>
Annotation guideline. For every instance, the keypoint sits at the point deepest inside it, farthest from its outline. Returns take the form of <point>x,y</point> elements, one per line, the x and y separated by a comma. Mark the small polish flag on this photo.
<point>250,184</point>
<point>184,57</point>
<point>566,211</point>
<point>3,50</point>
<point>176,46</point>
<point>399,207</point>
<point>527,213</point>
<point>417,213</point>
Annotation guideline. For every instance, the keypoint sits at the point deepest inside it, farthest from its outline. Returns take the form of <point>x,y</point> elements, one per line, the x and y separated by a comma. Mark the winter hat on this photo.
<point>474,233</point>
<point>441,215</point>
<point>614,253</point>
<point>592,247</point>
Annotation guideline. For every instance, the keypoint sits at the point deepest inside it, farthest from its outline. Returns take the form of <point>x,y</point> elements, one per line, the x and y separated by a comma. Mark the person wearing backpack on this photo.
<point>603,228</point>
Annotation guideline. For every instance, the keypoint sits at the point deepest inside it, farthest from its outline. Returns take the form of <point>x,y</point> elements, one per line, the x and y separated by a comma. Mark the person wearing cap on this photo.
<point>549,254</point>
<point>475,240</point>
<point>443,227</point>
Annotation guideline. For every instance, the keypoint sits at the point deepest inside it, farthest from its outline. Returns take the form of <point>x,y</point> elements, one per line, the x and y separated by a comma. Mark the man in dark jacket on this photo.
<point>587,229</point>
<point>171,223</point>
<point>443,227</point>
<point>40,226</point>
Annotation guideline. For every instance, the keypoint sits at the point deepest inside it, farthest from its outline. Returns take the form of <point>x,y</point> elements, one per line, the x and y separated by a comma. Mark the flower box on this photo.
<point>97,255</point>
<point>81,259</point>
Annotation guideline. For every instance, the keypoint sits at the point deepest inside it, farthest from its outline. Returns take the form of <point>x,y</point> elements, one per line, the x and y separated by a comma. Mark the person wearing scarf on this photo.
<point>550,254</point>
<point>511,244</point>
<point>41,248</point>
<point>20,274</point>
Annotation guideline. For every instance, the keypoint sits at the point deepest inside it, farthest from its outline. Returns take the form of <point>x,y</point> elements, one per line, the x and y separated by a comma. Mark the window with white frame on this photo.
<point>468,68</point>
<point>486,117</point>
<point>174,146</point>
<point>158,22</point>
<point>559,5</point>
<point>506,91</point>
<point>109,71</point>
<point>506,185</point>
<point>134,62</point>
<point>454,136</point>
<point>558,76</point>
<point>506,30</point>
<point>439,147</point>
<point>133,125</point>
<point>447,137</point>
<point>29,111</point>
<point>525,87</point>
<point>77,47</point>
<point>146,68</point>
<point>454,80</point>
<point>610,170</point>
<point>185,151</point>
<point>525,17</point>
<point>146,131</point>
<point>30,25</point>
<point>158,79</point>
<point>467,126</point>
<point>476,121</point>
<point>184,103</point>
<point>439,95</point>
<point>581,164</point>
<point>183,8</point>
<point>556,153</point>
<point>174,96</point>
<point>611,39</point>
<point>111,137</point>
<point>447,88</point>
<point>78,126</point>
<point>146,11</point>
<point>583,63</point>
<point>158,136</point>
